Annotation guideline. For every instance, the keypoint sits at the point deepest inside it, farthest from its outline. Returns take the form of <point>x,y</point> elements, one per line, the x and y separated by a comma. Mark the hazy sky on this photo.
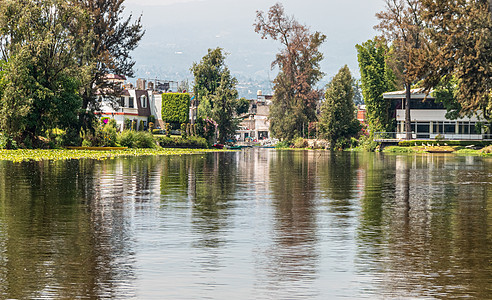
<point>179,32</point>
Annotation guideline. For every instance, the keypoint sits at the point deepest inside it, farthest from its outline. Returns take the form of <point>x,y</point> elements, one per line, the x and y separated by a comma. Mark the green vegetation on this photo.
<point>175,108</point>
<point>338,121</point>
<point>296,97</point>
<point>61,154</point>
<point>136,139</point>
<point>443,143</point>
<point>215,89</point>
<point>54,56</point>
<point>182,142</point>
<point>377,78</point>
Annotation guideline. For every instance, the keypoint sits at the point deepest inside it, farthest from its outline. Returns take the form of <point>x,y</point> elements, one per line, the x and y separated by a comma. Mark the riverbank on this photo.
<point>440,149</point>
<point>66,154</point>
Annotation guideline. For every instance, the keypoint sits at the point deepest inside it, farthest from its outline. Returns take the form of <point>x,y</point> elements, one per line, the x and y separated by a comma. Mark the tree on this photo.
<point>215,89</point>
<point>402,25</point>
<point>295,99</point>
<point>40,89</point>
<point>376,79</point>
<point>461,37</point>
<point>111,38</point>
<point>338,120</point>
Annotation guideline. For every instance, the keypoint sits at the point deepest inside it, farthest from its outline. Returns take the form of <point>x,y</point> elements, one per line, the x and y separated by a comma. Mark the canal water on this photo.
<point>254,224</point>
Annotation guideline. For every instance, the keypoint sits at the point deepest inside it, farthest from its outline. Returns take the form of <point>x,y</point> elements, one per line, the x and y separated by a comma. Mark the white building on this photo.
<point>428,119</point>
<point>255,125</point>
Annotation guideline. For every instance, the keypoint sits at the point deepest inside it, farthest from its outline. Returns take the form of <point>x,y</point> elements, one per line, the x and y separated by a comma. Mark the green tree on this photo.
<point>338,120</point>
<point>404,27</point>
<point>295,99</point>
<point>40,90</point>
<point>104,44</point>
<point>215,89</point>
<point>376,79</point>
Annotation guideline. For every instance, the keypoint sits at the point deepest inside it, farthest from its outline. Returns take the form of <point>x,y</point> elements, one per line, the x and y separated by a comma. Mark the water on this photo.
<point>256,224</point>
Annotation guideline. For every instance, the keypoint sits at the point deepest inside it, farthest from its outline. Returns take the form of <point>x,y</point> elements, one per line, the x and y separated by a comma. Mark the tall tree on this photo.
<point>296,98</point>
<point>402,25</point>
<point>377,78</point>
<point>112,38</point>
<point>215,89</point>
<point>338,119</point>
<point>40,89</point>
<point>461,37</point>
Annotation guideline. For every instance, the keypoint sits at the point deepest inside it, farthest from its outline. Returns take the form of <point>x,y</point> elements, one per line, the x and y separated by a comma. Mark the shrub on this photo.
<point>283,144</point>
<point>300,143</point>
<point>136,139</point>
<point>188,142</point>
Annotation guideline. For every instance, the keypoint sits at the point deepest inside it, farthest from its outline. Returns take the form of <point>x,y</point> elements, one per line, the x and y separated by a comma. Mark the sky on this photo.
<point>179,32</point>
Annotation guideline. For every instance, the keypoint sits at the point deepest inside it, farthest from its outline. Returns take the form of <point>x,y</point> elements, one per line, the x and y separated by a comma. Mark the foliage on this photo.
<point>242,106</point>
<point>461,34</point>
<point>403,26</point>
<point>136,139</point>
<point>62,154</point>
<point>300,143</point>
<point>175,108</point>
<point>40,75</point>
<point>215,89</point>
<point>181,142</point>
<point>104,134</point>
<point>446,92</point>
<point>338,120</point>
<point>104,45</point>
<point>376,79</point>
<point>397,149</point>
<point>296,99</point>
<point>282,145</point>
<point>183,130</point>
<point>358,93</point>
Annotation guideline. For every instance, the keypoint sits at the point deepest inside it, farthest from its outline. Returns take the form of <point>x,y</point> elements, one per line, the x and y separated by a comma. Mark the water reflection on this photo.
<point>433,237</point>
<point>258,223</point>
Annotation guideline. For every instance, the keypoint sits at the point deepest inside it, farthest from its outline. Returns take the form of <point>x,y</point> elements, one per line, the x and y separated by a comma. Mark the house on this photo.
<point>255,125</point>
<point>428,119</point>
<point>134,104</point>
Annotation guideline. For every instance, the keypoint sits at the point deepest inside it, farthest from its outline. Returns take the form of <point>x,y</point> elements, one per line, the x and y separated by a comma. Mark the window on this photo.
<point>449,128</point>
<point>130,102</point>
<point>143,101</point>
<point>122,101</point>
<point>423,127</point>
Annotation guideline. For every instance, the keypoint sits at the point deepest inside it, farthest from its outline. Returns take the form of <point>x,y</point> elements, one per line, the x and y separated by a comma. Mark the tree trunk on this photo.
<point>408,126</point>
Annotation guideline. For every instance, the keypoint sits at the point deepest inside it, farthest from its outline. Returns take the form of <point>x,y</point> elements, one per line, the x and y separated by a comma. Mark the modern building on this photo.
<point>428,119</point>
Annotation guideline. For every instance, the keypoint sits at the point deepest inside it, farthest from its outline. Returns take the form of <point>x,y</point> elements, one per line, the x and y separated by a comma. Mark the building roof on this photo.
<point>419,93</point>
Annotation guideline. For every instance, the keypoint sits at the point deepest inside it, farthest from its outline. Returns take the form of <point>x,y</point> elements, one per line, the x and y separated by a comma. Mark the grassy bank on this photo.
<point>451,149</point>
<point>64,154</point>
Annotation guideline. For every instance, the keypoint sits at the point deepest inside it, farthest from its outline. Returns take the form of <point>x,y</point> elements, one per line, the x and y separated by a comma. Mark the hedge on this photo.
<point>175,108</point>
<point>188,142</point>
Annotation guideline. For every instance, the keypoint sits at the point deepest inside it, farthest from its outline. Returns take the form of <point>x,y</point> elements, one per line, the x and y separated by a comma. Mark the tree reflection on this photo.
<point>293,255</point>
<point>63,231</point>
<point>433,236</point>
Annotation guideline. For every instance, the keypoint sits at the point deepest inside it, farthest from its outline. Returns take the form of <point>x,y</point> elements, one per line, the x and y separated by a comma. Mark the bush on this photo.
<point>300,143</point>
<point>281,145</point>
<point>136,139</point>
<point>188,142</point>
<point>486,149</point>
